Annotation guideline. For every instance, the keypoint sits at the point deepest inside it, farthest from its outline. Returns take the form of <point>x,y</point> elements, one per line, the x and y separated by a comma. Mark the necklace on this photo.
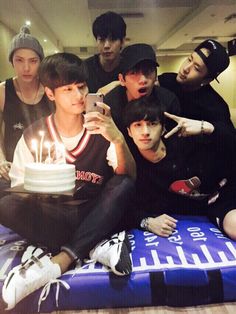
<point>22,95</point>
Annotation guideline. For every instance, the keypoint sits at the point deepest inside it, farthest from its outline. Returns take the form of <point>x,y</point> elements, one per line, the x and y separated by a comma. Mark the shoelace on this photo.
<point>46,290</point>
<point>86,262</point>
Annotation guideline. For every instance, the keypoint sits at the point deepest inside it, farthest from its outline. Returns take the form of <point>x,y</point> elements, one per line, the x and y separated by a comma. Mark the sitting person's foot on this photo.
<point>33,273</point>
<point>114,253</point>
<point>31,251</point>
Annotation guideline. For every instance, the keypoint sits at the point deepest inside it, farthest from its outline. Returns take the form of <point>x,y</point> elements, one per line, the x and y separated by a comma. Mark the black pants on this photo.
<point>77,229</point>
<point>4,184</point>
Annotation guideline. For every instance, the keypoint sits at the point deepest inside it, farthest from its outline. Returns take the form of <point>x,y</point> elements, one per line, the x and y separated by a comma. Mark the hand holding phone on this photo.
<point>91,106</point>
<point>91,103</point>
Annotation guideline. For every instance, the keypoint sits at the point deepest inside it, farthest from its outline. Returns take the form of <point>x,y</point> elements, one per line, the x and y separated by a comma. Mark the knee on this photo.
<point>5,209</point>
<point>229,224</point>
<point>122,182</point>
<point>126,185</point>
<point>10,206</point>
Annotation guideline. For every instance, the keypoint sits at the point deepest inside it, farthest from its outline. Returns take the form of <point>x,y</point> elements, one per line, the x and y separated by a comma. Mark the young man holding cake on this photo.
<point>105,170</point>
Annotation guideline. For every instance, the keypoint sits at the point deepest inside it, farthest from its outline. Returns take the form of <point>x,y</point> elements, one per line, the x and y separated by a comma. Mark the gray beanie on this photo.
<point>25,40</point>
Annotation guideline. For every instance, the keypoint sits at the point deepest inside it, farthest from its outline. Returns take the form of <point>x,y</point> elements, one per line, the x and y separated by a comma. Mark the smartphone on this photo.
<point>91,103</point>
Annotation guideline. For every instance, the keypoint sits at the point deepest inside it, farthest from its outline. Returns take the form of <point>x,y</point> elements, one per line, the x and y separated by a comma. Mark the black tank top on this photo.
<point>18,115</point>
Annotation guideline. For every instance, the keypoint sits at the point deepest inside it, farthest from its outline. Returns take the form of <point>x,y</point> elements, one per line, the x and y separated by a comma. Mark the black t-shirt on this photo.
<point>202,104</point>
<point>97,77</point>
<point>117,100</point>
<point>206,104</point>
<point>184,160</point>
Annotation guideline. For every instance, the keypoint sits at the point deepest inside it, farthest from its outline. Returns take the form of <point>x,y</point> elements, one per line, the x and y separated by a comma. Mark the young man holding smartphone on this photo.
<point>73,230</point>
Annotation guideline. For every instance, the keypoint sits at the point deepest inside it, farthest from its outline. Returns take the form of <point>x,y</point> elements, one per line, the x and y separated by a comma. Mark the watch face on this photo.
<point>143,223</point>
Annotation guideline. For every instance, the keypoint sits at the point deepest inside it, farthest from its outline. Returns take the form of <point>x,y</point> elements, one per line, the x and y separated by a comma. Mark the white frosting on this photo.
<point>49,177</point>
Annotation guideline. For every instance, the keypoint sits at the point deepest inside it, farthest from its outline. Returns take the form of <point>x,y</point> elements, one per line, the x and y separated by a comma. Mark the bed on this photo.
<point>196,265</point>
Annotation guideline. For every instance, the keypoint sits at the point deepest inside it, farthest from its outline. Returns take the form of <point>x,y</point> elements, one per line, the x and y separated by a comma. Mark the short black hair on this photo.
<point>109,25</point>
<point>62,69</point>
<point>146,108</point>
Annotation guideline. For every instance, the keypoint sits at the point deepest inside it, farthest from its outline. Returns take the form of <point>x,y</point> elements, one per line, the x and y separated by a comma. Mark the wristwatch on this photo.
<point>144,223</point>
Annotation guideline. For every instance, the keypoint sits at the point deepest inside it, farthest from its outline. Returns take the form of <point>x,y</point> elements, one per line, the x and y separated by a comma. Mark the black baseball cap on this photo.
<point>217,61</point>
<point>133,54</point>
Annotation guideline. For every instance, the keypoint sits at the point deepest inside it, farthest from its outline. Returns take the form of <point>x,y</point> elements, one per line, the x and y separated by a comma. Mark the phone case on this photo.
<point>91,102</point>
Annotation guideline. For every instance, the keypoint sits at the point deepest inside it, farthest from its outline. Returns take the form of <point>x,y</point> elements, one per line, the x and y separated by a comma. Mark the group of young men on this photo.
<point>154,149</point>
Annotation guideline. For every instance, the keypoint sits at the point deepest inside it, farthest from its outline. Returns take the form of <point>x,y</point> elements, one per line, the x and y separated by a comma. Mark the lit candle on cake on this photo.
<point>41,133</point>
<point>48,146</point>
<point>63,152</point>
<point>57,150</point>
<point>35,149</point>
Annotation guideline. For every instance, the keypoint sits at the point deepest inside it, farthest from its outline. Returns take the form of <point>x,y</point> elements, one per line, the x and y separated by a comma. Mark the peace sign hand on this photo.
<point>187,127</point>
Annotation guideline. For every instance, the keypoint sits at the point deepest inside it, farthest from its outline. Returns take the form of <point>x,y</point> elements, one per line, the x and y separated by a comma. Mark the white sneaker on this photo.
<point>32,251</point>
<point>27,277</point>
<point>114,253</point>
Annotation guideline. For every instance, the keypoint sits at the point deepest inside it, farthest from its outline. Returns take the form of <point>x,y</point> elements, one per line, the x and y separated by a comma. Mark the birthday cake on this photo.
<point>49,178</point>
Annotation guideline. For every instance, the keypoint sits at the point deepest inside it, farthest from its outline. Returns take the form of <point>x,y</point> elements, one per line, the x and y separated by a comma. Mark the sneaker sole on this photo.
<point>124,265</point>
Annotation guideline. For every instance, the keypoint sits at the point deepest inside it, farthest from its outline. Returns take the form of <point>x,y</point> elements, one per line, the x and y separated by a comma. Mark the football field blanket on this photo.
<point>196,265</point>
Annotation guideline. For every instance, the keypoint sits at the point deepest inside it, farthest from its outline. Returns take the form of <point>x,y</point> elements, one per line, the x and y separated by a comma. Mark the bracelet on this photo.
<point>202,127</point>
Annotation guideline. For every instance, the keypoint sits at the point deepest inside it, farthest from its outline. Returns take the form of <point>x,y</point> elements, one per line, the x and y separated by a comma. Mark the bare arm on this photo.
<point>4,164</point>
<point>2,154</point>
<point>2,102</point>
<point>125,160</point>
<point>104,125</point>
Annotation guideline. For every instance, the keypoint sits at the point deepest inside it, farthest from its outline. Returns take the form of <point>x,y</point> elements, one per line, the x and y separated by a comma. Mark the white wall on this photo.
<point>5,66</point>
<point>226,88</point>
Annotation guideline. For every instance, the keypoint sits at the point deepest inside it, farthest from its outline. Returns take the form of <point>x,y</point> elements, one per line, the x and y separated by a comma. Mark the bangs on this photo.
<point>146,114</point>
<point>66,75</point>
<point>108,33</point>
<point>62,69</point>
<point>145,108</point>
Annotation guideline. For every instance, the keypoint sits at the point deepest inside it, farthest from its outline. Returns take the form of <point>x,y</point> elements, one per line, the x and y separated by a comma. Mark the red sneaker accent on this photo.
<point>185,186</point>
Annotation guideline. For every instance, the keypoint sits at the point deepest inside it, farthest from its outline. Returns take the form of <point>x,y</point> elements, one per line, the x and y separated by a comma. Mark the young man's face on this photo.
<point>146,134</point>
<point>109,49</point>
<point>69,99</point>
<point>139,82</point>
<point>26,63</point>
<point>193,71</point>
